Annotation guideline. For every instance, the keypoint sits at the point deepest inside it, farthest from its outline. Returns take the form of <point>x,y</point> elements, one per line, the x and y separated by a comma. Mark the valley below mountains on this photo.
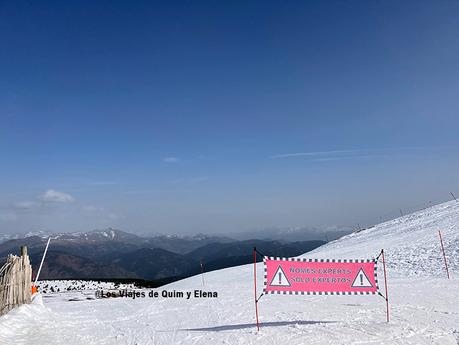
<point>115,254</point>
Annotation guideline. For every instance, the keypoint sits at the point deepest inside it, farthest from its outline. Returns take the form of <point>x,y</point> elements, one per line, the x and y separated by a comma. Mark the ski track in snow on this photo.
<point>424,304</point>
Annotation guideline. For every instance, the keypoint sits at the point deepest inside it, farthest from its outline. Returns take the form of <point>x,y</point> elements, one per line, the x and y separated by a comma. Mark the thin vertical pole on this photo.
<point>453,196</point>
<point>385,285</point>
<point>255,284</point>
<point>444,255</point>
<point>41,263</point>
<point>202,271</point>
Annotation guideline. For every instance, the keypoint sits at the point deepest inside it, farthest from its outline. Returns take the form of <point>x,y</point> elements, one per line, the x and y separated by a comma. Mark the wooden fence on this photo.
<point>15,282</point>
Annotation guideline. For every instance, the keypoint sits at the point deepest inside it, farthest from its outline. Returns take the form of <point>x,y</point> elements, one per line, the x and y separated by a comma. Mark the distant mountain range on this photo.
<point>295,234</point>
<point>112,253</point>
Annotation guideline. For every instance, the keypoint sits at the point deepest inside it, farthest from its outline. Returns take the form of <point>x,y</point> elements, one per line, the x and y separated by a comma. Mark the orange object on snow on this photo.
<point>34,289</point>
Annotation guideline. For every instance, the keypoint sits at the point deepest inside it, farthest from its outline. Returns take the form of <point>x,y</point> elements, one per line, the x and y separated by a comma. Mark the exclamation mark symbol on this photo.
<point>361,279</point>
<point>280,278</point>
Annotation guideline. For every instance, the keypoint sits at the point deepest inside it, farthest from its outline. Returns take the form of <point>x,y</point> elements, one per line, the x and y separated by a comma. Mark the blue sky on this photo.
<point>183,117</point>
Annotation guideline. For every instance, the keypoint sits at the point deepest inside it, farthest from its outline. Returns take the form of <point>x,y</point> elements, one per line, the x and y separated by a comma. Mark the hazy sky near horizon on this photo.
<point>219,116</point>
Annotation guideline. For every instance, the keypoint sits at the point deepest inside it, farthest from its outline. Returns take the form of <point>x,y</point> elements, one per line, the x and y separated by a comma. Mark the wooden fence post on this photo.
<point>15,282</point>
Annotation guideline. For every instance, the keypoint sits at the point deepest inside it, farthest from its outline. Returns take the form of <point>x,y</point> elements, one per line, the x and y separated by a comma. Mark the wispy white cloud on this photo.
<point>362,156</point>
<point>315,153</point>
<point>52,195</point>
<point>54,203</point>
<point>355,153</point>
<point>25,205</point>
<point>170,159</point>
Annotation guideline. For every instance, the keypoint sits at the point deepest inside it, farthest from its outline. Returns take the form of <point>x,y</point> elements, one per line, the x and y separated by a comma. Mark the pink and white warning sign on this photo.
<point>320,276</point>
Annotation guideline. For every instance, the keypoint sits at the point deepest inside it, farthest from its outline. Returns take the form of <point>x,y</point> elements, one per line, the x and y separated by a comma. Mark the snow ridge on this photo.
<point>411,243</point>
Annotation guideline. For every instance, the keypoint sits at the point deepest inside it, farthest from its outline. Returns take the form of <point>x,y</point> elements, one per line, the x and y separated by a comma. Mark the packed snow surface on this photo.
<point>424,304</point>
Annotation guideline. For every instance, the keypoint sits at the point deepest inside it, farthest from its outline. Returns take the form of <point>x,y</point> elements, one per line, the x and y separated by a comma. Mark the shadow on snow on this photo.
<point>253,325</point>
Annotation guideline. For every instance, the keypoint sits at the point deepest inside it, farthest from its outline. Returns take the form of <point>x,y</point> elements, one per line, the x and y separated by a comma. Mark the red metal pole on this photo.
<point>444,255</point>
<point>385,284</point>
<point>255,284</point>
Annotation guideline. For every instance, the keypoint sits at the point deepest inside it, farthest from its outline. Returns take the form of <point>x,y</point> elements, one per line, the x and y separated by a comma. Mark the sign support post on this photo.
<point>444,255</point>
<point>255,284</point>
<point>385,285</point>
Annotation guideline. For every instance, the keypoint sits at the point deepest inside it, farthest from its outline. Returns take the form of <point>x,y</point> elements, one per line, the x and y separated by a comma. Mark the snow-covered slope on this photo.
<point>411,243</point>
<point>424,304</point>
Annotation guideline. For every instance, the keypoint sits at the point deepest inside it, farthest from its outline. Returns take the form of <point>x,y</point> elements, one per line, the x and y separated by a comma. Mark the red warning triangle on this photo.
<point>279,278</point>
<point>361,280</point>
